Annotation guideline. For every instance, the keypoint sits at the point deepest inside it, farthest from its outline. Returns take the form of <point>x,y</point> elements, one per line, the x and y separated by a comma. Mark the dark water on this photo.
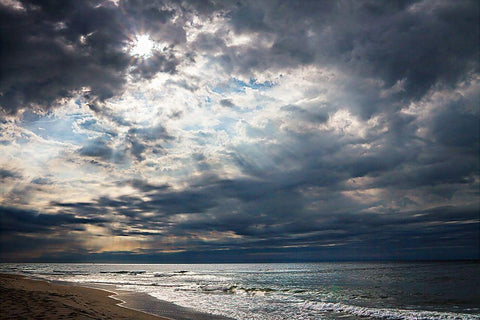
<point>426,290</point>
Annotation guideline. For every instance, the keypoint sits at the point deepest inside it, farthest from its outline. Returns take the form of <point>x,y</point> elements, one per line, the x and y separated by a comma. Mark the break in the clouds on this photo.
<point>239,130</point>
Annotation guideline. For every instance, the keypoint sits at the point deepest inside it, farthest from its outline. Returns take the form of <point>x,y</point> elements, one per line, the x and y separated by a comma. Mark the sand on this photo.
<point>22,298</point>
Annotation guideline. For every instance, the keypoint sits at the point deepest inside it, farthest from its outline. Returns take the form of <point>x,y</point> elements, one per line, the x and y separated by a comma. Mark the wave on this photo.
<point>70,273</point>
<point>182,272</point>
<point>124,272</point>
<point>131,284</point>
<point>162,275</point>
<point>235,289</point>
<point>244,294</point>
<point>386,313</point>
<point>174,274</point>
<point>250,291</point>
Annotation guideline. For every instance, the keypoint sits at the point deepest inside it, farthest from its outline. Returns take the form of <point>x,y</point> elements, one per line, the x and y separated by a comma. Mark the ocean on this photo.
<point>380,290</point>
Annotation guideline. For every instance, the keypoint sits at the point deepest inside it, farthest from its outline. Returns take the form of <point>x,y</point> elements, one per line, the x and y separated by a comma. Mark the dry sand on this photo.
<point>22,298</point>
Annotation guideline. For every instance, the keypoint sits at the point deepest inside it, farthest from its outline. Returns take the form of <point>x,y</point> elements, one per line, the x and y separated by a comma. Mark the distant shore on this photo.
<point>23,298</point>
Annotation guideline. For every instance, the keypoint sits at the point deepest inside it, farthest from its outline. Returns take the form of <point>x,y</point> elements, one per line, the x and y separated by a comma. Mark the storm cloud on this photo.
<point>239,130</point>
<point>52,51</point>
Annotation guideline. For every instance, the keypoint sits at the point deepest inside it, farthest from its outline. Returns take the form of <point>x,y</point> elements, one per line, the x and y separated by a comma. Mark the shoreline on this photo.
<point>148,304</point>
<point>36,298</point>
<point>25,298</point>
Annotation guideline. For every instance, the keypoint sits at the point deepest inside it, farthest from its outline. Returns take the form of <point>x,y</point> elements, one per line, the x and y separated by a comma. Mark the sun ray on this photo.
<point>142,46</point>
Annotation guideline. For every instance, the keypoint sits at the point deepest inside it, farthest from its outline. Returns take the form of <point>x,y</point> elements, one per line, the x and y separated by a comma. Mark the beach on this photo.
<point>330,291</point>
<point>22,298</point>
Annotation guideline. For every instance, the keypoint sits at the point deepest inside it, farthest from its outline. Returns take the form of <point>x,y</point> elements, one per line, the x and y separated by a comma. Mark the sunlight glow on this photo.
<point>142,46</point>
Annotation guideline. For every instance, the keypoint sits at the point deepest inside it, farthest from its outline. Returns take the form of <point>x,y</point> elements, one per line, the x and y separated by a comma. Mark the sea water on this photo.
<point>429,290</point>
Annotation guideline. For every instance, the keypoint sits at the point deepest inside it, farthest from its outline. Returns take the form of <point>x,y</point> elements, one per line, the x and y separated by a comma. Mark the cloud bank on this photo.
<point>247,131</point>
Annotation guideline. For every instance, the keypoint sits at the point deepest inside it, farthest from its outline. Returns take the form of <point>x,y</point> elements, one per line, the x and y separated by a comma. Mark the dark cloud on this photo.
<point>25,221</point>
<point>145,186</point>
<point>271,217</point>
<point>227,103</point>
<point>379,161</point>
<point>97,148</point>
<point>408,46</point>
<point>52,234</point>
<point>105,112</point>
<point>77,45</point>
<point>42,181</point>
<point>62,63</point>
<point>457,128</point>
<point>159,62</point>
<point>8,174</point>
<point>157,132</point>
<point>82,44</point>
<point>417,43</point>
<point>143,139</point>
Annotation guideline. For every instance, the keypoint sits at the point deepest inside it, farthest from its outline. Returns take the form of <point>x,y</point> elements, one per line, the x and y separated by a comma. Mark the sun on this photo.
<point>142,46</point>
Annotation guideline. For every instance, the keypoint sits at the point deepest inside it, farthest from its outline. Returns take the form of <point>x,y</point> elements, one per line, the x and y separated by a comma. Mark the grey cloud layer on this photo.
<point>403,184</point>
<point>51,50</point>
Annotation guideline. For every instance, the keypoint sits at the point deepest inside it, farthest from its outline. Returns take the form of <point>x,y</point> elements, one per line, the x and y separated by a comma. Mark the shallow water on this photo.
<point>431,290</point>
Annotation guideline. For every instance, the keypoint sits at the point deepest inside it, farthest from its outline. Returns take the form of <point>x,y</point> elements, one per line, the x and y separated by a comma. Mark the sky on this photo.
<point>239,131</point>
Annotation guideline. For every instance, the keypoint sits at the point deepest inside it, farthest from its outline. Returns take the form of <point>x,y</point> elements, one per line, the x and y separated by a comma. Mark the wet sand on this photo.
<point>22,298</point>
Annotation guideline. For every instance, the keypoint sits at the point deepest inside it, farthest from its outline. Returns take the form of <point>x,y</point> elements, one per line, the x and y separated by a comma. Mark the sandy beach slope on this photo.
<point>22,298</point>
